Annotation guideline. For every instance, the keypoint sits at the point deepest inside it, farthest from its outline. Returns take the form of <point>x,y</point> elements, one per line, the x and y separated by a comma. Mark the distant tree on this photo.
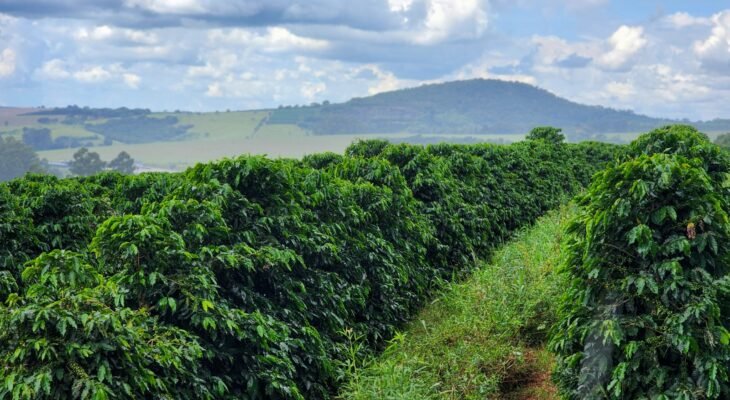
<point>123,163</point>
<point>723,141</point>
<point>16,159</point>
<point>38,138</point>
<point>547,133</point>
<point>86,163</point>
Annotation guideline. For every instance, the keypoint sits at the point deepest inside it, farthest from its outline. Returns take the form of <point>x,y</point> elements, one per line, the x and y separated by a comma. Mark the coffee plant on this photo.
<point>646,315</point>
<point>249,277</point>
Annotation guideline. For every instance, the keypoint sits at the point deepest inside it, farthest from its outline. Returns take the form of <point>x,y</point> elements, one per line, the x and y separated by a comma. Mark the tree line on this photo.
<point>17,159</point>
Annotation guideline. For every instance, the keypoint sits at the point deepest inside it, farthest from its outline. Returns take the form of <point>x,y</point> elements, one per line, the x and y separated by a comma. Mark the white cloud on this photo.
<point>105,33</point>
<point>400,5</point>
<point>715,49</point>
<point>382,81</point>
<point>7,62</point>
<point>131,80</point>
<point>57,69</point>
<point>624,44</point>
<point>553,49</point>
<point>481,69</point>
<point>92,74</point>
<point>54,69</point>
<point>218,63</point>
<point>681,20</point>
<point>214,90</point>
<point>311,90</point>
<point>276,39</point>
<point>447,19</point>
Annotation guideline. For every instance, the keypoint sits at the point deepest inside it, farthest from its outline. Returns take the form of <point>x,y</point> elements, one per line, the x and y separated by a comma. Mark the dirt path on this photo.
<point>532,381</point>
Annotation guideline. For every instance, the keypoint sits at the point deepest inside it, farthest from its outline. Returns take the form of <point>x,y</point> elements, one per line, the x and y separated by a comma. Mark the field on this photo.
<point>379,273</point>
<point>252,277</point>
<point>212,136</point>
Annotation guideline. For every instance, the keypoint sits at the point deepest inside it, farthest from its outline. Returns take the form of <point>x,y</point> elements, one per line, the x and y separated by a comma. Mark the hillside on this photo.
<point>468,107</point>
<point>457,112</point>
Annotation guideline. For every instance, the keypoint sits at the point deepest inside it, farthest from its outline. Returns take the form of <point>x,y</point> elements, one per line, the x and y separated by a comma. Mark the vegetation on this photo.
<point>16,159</point>
<point>646,312</point>
<point>248,278</point>
<point>41,139</point>
<point>38,139</point>
<point>122,163</point>
<point>93,113</point>
<point>86,163</point>
<point>480,338</point>
<point>140,129</point>
<point>723,140</point>
<point>547,133</point>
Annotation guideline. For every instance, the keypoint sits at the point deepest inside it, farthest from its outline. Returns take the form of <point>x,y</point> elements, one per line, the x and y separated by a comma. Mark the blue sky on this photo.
<point>662,58</point>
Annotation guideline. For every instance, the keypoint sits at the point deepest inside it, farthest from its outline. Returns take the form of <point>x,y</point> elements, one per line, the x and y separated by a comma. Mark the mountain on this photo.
<point>476,106</point>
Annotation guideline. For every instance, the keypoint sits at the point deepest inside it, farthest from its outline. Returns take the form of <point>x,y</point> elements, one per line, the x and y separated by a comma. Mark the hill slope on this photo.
<point>466,107</point>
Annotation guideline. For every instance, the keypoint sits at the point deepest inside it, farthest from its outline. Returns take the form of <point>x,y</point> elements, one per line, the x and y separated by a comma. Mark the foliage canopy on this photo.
<point>244,278</point>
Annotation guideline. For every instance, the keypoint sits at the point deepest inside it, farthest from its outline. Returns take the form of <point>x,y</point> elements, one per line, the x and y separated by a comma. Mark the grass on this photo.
<point>481,338</point>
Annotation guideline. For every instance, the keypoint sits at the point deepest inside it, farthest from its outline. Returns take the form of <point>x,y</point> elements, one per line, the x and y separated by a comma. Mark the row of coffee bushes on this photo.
<point>646,313</point>
<point>251,278</point>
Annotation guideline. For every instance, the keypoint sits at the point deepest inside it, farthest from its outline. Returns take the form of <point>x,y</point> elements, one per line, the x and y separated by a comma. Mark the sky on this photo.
<point>661,58</point>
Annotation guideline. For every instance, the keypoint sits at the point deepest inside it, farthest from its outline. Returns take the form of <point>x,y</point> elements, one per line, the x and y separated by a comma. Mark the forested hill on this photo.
<point>471,106</point>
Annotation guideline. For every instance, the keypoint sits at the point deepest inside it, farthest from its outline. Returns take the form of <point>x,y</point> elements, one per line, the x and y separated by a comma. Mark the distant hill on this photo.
<point>457,112</point>
<point>476,106</point>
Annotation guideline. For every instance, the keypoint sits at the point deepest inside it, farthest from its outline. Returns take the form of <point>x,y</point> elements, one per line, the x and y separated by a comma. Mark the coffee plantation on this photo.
<point>246,278</point>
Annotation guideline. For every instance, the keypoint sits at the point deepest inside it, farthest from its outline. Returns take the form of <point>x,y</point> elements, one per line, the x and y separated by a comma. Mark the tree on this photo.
<point>86,163</point>
<point>38,139</point>
<point>723,141</point>
<point>123,163</point>
<point>16,159</point>
<point>547,133</point>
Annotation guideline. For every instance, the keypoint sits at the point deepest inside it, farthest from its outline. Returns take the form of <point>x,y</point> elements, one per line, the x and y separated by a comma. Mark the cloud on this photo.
<point>92,74</point>
<point>484,68</point>
<point>168,6</point>
<point>624,44</point>
<point>216,54</point>
<point>714,51</point>
<point>371,15</point>
<point>53,69</point>
<point>57,69</point>
<point>574,61</point>
<point>107,33</point>
<point>311,90</point>
<point>275,39</point>
<point>7,62</point>
<point>131,80</point>
<point>555,51</point>
<point>682,20</point>
<point>381,81</point>
<point>446,19</point>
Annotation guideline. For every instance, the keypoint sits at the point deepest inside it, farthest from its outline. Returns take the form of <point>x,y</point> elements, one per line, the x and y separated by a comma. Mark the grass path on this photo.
<point>482,338</point>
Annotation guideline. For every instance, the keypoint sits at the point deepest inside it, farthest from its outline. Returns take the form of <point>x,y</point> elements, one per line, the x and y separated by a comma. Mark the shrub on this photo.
<point>252,275</point>
<point>645,315</point>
